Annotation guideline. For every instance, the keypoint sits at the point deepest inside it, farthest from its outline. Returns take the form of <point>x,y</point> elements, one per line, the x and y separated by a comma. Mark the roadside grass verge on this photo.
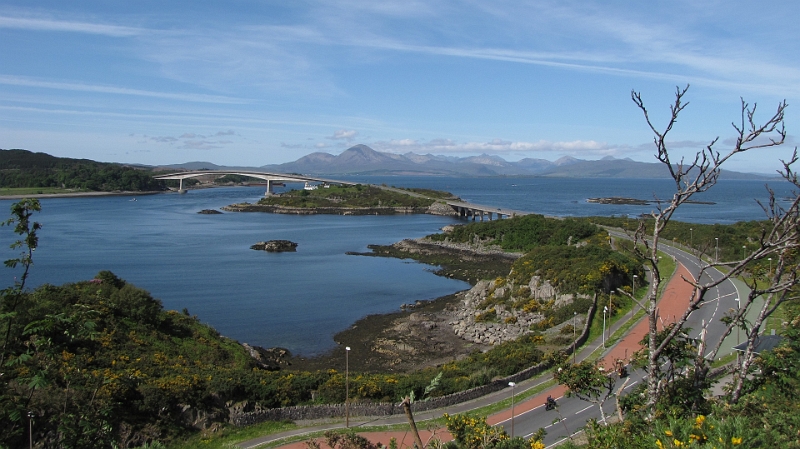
<point>229,436</point>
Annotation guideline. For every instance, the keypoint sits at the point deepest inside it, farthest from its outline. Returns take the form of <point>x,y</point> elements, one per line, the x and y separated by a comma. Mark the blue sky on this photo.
<point>262,82</point>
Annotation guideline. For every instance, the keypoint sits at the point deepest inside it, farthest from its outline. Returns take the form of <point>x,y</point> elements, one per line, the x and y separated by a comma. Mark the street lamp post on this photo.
<point>770,266</point>
<point>743,248</point>
<point>691,240</point>
<point>716,249</point>
<point>347,386</point>
<point>605,310</point>
<point>738,308</point>
<point>610,302</point>
<point>512,385</point>
<point>633,294</point>
<point>30,428</point>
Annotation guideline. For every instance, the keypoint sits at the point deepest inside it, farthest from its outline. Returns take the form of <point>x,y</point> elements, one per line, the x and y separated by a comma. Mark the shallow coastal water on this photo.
<point>300,300</point>
<point>204,262</point>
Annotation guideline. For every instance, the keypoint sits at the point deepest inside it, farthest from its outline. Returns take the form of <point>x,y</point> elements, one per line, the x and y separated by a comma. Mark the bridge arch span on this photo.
<point>270,178</point>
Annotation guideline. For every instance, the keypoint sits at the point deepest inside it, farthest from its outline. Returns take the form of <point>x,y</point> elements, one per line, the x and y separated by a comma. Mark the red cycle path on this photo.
<point>673,303</point>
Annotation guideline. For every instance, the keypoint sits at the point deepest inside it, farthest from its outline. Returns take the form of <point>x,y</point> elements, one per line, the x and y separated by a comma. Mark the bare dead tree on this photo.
<point>698,175</point>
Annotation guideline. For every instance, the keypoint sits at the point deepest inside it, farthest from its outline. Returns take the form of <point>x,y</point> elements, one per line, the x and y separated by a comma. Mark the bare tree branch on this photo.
<point>696,176</point>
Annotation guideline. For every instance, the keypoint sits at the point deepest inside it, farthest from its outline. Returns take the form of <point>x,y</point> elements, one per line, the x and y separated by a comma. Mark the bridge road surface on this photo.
<point>530,415</point>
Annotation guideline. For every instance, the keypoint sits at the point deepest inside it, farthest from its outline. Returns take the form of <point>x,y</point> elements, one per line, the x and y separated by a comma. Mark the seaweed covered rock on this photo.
<point>275,246</point>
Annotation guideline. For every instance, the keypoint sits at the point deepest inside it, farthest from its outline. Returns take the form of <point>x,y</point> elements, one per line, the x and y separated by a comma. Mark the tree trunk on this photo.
<point>407,408</point>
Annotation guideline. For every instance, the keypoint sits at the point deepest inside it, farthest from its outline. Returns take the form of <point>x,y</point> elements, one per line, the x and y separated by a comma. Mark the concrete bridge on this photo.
<point>467,210</point>
<point>464,210</point>
<point>272,179</point>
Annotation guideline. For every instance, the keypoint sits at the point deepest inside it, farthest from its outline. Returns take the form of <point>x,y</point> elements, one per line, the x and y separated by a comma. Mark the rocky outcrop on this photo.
<point>209,212</point>
<point>438,208</point>
<point>474,251</point>
<point>275,246</point>
<point>271,359</point>
<point>499,323</point>
<point>507,324</point>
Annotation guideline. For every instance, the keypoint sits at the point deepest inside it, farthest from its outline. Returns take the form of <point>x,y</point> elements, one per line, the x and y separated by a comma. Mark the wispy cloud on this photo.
<point>499,146</point>
<point>37,83</point>
<point>194,141</point>
<point>39,24</point>
<point>344,134</point>
<point>202,145</point>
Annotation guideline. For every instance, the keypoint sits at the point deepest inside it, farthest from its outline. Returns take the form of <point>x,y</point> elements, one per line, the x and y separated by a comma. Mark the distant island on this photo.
<point>618,200</point>
<point>633,201</point>
<point>351,200</point>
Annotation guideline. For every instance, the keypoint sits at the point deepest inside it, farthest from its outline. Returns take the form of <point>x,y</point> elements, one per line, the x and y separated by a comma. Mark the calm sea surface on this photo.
<point>300,300</point>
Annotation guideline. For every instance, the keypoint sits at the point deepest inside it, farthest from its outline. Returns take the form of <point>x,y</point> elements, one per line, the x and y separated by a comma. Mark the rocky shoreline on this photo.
<point>434,209</point>
<point>414,337</point>
<point>78,194</point>
<point>466,262</point>
<point>429,333</point>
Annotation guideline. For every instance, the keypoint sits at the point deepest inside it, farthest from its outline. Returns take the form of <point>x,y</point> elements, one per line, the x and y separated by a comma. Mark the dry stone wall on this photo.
<point>240,418</point>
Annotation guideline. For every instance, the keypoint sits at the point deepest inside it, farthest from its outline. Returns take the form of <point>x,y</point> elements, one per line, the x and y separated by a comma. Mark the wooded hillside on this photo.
<point>22,168</point>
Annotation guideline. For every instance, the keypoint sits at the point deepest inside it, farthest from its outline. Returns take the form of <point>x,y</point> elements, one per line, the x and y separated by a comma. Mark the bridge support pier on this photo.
<point>479,213</point>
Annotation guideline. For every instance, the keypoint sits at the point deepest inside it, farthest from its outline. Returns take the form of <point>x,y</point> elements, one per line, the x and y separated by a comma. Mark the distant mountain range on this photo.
<point>363,160</point>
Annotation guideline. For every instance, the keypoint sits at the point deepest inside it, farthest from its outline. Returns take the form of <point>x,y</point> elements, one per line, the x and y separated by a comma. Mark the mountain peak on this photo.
<point>566,160</point>
<point>362,154</point>
<point>364,160</point>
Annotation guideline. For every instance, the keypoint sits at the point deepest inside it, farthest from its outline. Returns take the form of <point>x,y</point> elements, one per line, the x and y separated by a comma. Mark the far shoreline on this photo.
<point>114,193</point>
<point>79,194</point>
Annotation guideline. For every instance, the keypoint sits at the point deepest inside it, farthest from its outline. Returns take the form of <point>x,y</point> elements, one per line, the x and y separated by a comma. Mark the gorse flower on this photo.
<point>698,422</point>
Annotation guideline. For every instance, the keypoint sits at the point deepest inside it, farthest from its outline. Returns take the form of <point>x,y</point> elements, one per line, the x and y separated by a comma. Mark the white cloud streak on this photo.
<point>344,134</point>
<point>498,146</point>
<point>31,24</point>
<point>101,89</point>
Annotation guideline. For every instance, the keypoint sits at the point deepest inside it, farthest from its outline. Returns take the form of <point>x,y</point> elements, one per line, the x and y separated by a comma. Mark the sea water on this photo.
<point>299,300</point>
